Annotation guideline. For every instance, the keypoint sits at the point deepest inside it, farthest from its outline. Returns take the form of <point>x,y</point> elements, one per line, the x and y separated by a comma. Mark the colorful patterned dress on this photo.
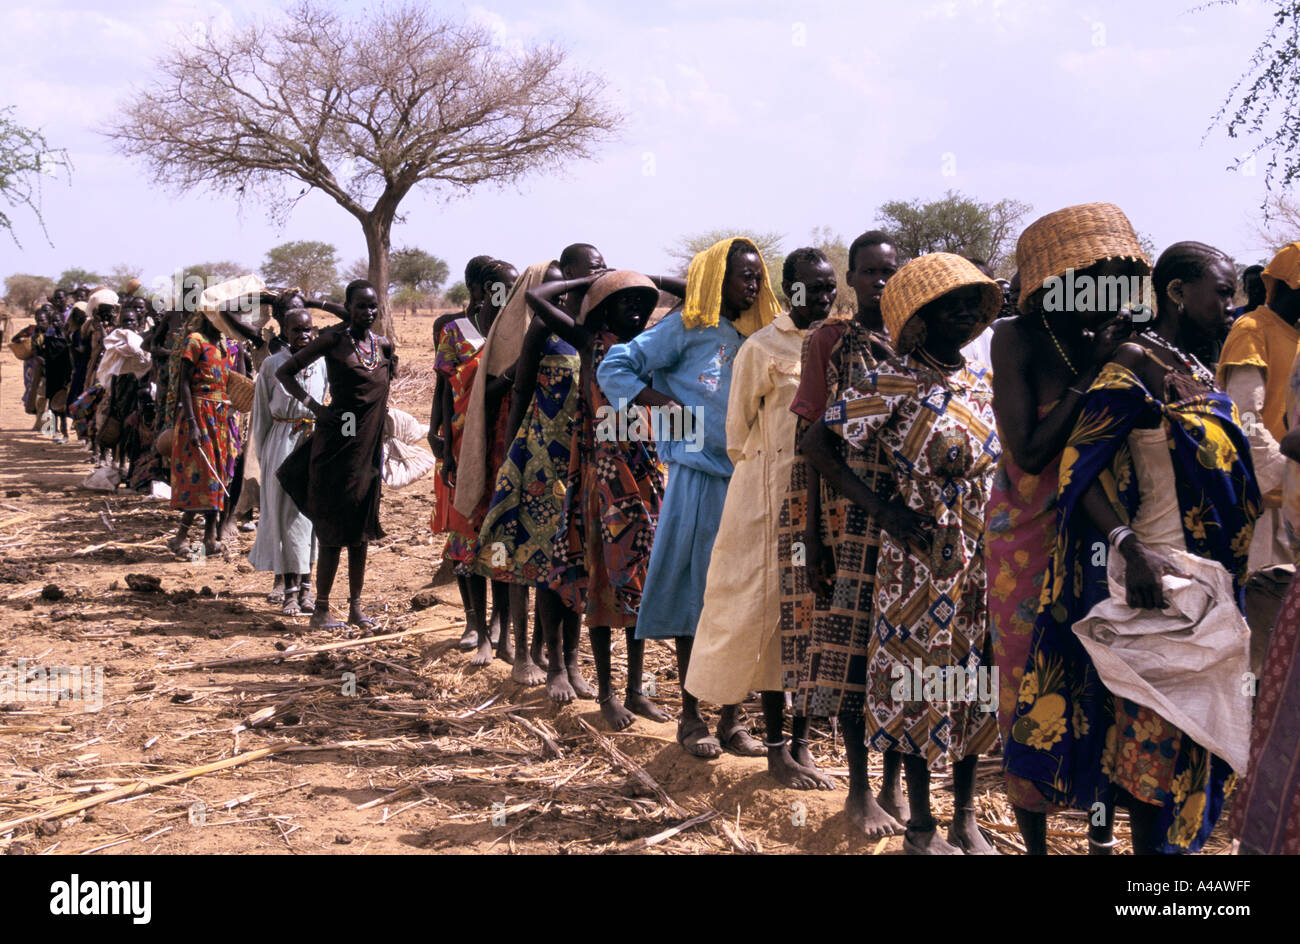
<point>1266,814</point>
<point>201,472</point>
<point>457,359</point>
<point>693,366</point>
<point>1019,535</point>
<point>518,534</point>
<point>824,641</point>
<point>931,614</point>
<point>613,493</point>
<point>1071,738</point>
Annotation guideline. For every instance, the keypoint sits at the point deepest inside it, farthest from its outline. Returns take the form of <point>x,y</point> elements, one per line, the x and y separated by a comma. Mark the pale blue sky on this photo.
<point>772,115</point>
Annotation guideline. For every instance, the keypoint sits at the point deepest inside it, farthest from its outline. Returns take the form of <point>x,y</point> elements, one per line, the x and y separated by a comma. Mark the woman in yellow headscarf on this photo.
<point>685,362</point>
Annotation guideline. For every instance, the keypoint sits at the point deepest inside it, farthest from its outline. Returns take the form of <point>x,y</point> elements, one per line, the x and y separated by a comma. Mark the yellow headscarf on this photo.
<point>1285,267</point>
<point>704,292</point>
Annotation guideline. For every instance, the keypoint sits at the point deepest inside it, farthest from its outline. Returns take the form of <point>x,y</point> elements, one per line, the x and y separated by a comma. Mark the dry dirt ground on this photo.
<point>388,746</point>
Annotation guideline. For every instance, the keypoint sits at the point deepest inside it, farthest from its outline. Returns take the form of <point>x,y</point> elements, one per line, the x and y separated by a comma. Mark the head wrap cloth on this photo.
<point>704,278</point>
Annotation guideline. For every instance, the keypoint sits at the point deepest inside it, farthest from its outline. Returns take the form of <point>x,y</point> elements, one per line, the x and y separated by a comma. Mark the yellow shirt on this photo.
<point>1260,338</point>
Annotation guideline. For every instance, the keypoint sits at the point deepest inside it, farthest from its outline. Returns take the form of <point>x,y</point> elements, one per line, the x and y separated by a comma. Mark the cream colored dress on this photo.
<point>737,642</point>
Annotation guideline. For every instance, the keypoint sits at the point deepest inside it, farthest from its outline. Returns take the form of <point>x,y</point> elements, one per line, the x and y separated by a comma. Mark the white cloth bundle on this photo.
<point>104,479</point>
<point>124,353</point>
<point>236,300</point>
<point>1188,662</point>
<point>402,425</point>
<point>403,460</point>
<point>404,463</point>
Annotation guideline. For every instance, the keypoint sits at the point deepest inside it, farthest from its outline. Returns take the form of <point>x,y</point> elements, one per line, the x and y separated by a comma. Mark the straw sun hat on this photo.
<point>613,281</point>
<point>920,282</point>
<point>1074,238</point>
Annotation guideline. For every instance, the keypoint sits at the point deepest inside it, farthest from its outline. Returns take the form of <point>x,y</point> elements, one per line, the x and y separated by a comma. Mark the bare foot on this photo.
<point>505,650</point>
<point>800,754</point>
<point>869,818</point>
<point>927,842</point>
<point>966,835</point>
<point>558,687</point>
<point>580,686</point>
<point>469,638</point>
<point>787,773</point>
<point>528,672</point>
<point>638,704</point>
<point>615,715</point>
<point>483,654</point>
<point>894,803</point>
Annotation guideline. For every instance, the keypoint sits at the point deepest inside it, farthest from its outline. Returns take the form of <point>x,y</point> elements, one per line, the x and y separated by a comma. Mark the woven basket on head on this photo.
<point>616,280</point>
<point>923,280</point>
<point>240,391</point>
<point>1074,238</point>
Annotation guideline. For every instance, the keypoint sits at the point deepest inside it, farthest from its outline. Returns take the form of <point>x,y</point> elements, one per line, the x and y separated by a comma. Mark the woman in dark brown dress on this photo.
<point>334,476</point>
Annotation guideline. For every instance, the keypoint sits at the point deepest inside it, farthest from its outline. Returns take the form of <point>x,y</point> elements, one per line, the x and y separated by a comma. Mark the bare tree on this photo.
<point>24,158</point>
<point>1264,104</point>
<point>363,109</point>
<point>1281,221</point>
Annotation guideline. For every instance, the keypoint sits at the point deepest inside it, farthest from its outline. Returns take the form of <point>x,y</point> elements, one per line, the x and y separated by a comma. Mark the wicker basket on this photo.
<point>1074,238</point>
<point>110,432</point>
<point>240,391</point>
<point>616,280</point>
<point>923,280</point>
<point>22,348</point>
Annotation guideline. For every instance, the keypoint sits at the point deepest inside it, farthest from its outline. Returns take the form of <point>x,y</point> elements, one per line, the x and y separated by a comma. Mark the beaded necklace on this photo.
<point>371,360</point>
<point>1190,361</point>
<point>1059,349</point>
<point>929,360</point>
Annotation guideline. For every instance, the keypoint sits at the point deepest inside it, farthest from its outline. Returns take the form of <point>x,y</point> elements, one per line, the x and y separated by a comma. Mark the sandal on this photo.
<point>306,601</point>
<point>695,739</point>
<point>365,624</point>
<point>292,608</point>
<point>738,740</point>
<point>329,624</point>
<point>276,597</point>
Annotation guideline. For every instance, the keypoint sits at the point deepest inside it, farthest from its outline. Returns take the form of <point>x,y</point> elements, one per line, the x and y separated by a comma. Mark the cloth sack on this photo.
<point>404,463</point>
<point>104,479</point>
<point>1189,662</point>
<point>402,425</point>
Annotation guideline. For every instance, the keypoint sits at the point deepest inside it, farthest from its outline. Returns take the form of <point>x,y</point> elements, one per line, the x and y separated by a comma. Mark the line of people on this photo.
<point>954,536</point>
<point>973,517</point>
